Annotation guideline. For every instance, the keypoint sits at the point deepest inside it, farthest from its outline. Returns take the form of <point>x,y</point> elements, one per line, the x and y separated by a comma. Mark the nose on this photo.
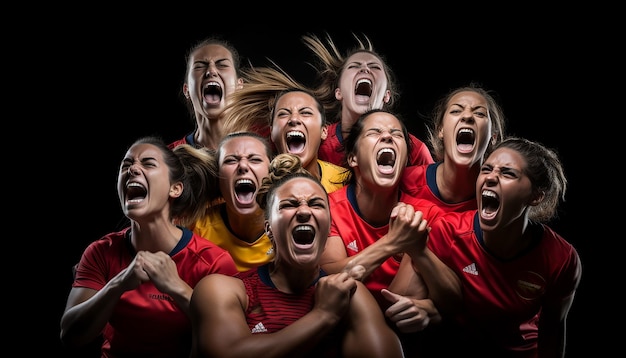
<point>468,116</point>
<point>243,166</point>
<point>293,120</point>
<point>211,70</point>
<point>303,214</point>
<point>365,69</point>
<point>491,177</point>
<point>132,169</point>
<point>385,136</point>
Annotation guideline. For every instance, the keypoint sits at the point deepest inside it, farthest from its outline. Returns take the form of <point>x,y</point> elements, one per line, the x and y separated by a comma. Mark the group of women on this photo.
<point>309,221</point>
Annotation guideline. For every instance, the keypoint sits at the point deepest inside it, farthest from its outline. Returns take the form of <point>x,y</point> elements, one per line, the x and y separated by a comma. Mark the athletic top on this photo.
<point>145,321</point>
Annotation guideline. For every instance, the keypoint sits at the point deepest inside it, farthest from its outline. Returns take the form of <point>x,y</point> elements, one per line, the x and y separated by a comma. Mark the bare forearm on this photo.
<point>369,258</point>
<point>83,322</point>
<point>182,297</point>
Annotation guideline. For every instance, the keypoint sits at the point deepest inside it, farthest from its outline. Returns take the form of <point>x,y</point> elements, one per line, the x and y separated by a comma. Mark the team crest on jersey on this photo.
<point>530,285</point>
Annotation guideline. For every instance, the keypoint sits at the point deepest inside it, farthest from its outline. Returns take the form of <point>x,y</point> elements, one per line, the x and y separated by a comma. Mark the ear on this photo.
<point>351,159</point>
<point>387,97</point>
<point>186,90</point>
<point>324,133</point>
<point>239,83</point>
<point>494,138</point>
<point>338,95</point>
<point>268,230</point>
<point>176,189</point>
<point>440,133</point>
<point>537,197</point>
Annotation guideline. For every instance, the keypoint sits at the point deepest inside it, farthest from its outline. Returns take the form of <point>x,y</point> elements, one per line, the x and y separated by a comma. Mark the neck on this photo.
<point>292,279</point>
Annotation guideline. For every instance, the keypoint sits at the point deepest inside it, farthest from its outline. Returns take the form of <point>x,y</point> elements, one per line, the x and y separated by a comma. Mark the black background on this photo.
<point>122,79</point>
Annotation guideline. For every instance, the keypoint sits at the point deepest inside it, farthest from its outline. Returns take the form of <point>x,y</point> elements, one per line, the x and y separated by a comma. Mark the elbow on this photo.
<point>72,338</point>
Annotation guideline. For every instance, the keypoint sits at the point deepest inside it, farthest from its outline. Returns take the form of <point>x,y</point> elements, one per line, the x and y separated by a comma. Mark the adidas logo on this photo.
<point>259,328</point>
<point>352,246</point>
<point>270,251</point>
<point>471,269</point>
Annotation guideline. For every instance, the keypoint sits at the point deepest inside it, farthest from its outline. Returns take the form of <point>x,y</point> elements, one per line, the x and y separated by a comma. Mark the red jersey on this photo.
<point>147,322</point>
<point>357,234</point>
<point>503,298</point>
<point>421,182</point>
<point>270,310</point>
<point>331,148</point>
<point>188,139</point>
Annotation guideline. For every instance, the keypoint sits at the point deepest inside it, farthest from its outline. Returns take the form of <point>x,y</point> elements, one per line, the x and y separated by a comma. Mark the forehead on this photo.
<point>380,119</point>
<point>296,98</point>
<point>506,157</point>
<point>144,150</point>
<point>363,56</point>
<point>468,98</point>
<point>243,145</point>
<point>300,188</point>
<point>211,51</point>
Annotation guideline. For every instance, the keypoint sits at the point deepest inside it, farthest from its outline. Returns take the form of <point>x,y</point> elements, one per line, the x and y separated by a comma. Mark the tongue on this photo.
<point>362,99</point>
<point>212,98</point>
<point>296,147</point>
<point>385,169</point>
<point>465,148</point>
<point>245,198</point>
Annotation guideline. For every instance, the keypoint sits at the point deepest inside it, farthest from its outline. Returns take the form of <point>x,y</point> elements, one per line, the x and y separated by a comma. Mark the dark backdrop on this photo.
<point>123,79</point>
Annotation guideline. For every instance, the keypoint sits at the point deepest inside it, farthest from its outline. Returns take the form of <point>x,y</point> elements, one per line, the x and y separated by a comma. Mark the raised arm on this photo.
<point>405,226</point>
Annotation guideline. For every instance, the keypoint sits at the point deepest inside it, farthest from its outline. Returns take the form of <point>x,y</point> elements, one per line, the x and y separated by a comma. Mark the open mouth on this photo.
<point>363,87</point>
<point>212,92</point>
<point>490,203</point>
<point>386,160</point>
<point>135,192</point>
<point>244,191</point>
<point>465,139</point>
<point>363,91</point>
<point>296,142</point>
<point>303,235</point>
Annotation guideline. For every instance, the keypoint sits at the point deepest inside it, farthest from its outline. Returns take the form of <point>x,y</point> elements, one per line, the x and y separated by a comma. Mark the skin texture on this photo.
<point>298,111</point>
<point>504,223</point>
<point>377,196</point>
<point>153,234</point>
<point>456,176</point>
<point>243,158</point>
<point>210,64</point>
<point>359,66</point>
<point>219,302</point>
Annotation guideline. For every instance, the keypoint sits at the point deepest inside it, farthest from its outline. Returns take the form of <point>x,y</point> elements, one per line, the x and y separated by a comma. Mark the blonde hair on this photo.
<point>329,65</point>
<point>251,107</point>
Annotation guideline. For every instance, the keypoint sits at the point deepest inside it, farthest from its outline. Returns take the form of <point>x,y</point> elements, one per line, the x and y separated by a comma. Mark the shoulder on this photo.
<point>109,241</point>
<point>556,245</point>
<point>218,282</point>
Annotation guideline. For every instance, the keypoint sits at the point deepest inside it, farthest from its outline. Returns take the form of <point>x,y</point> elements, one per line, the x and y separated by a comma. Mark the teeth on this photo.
<point>134,184</point>
<point>386,150</point>
<point>489,193</point>
<point>304,228</point>
<point>244,181</point>
<point>212,83</point>
<point>466,130</point>
<point>363,80</point>
<point>295,134</point>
